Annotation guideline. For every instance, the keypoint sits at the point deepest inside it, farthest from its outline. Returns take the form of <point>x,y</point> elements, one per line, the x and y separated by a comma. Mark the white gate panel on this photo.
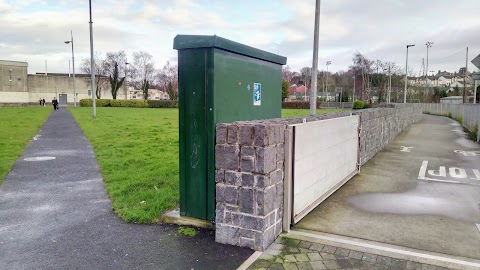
<point>325,155</point>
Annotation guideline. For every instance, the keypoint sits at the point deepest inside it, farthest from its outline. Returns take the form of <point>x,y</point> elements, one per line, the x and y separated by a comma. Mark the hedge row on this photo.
<point>130,103</point>
<point>296,105</point>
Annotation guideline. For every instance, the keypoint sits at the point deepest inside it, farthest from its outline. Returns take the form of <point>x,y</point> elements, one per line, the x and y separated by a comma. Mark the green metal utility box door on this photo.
<point>219,81</point>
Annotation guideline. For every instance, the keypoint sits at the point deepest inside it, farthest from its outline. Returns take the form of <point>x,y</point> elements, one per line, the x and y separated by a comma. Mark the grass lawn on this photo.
<point>137,150</point>
<point>17,128</point>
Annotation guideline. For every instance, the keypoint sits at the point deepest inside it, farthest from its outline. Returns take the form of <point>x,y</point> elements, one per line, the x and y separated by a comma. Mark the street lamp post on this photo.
<point>313,84</point>
<point>428,44</point>
<point>406,78</point>
<point>73,70</point>
<point>92,61</point>
<point>326,82</point>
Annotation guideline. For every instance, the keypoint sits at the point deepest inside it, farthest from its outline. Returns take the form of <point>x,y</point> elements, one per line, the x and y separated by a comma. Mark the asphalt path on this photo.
<point>56,214</point>
<point>422,191</point>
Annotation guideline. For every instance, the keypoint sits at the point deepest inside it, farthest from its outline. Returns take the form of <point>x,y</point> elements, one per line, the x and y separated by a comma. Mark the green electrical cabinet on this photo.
<point>219,81</point>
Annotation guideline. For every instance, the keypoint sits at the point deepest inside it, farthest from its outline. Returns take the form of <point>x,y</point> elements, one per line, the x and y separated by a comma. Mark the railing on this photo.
<point>467,114</point>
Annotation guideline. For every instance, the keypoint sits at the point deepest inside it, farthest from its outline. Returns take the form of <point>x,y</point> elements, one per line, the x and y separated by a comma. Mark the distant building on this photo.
<point>13,81</point>
<point>153,94</point>
<point>17,86</point>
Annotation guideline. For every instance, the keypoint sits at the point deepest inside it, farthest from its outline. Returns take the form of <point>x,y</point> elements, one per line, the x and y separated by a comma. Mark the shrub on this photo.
<point>162,103</point>
<point>358,104</point>
<point>449,115</point>
<point>296,105</point>
<point>98,102</point>
<point>472,135</point>
<point>130,103</point>
<point>85,103</point>
<point>102,102</point>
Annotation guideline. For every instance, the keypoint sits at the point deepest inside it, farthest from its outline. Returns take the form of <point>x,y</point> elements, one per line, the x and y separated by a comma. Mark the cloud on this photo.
<point>34,30</point>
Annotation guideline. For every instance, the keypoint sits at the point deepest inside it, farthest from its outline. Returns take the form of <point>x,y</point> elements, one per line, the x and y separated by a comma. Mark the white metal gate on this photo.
<point>323,156</point>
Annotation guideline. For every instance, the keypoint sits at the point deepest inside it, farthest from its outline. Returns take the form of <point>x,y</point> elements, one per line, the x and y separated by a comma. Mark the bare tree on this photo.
<point>143,70</point>
<point>287,74</point>
<point>362,67</point>
<point>100,71</point>
<point>306,73</point>
<point>167,80</point>
<point>120,58</point>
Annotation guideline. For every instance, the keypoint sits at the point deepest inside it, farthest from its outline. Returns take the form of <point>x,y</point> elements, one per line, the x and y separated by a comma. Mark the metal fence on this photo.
<point>467,114</point>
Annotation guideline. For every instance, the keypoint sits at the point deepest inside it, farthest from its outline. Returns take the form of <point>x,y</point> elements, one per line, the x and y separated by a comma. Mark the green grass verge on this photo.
<point>305,112</point>
<point>137,149</point>
<point>17,128</point>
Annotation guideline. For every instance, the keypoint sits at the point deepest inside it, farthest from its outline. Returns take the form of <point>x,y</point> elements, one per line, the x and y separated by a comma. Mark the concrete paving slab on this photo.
<point>55,214</point>
<point>422,191</point>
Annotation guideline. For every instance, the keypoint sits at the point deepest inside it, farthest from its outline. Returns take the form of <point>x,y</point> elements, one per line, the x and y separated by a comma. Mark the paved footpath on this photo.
<point>55,214</point>
<point>396,206</point>
<point>293,254</point>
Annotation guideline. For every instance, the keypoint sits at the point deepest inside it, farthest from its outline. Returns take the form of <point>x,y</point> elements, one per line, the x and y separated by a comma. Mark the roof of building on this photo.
<point>13,63</point>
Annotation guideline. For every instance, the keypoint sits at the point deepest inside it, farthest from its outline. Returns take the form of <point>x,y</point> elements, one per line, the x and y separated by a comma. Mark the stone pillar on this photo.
<point>249,183</point>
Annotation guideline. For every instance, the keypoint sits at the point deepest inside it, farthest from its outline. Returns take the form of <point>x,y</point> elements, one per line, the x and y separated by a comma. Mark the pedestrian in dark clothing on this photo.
<point>43,100</point>
<point>40,102</point>
<point>55,103</point>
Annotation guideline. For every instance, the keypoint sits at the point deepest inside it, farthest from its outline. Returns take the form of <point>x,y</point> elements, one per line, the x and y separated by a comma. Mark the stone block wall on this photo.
<point>381,125</point>
<point>249,169</point>
<point>249,183</point>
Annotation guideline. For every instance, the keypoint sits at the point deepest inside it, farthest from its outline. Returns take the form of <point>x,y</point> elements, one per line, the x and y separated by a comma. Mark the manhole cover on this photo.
<point>39,158</point>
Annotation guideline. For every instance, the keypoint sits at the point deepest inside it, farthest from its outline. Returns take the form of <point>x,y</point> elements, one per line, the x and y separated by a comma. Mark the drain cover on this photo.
<point>39,158</point>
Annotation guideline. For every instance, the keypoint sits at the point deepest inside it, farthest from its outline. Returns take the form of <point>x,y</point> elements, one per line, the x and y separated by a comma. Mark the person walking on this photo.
<point>43,101</point>
<point>55,103</point>
<point>40,101</point>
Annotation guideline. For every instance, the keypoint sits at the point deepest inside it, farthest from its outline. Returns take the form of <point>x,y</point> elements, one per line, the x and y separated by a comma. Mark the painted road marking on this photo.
<point>453,172</point>
<point>39,158</point>
<point>468,153</point>
<point>478,227</point>
<point>406,148</point>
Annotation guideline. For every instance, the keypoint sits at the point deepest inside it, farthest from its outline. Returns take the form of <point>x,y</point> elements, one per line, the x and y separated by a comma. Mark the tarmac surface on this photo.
<point>421,192</point>
<point>55,214</point>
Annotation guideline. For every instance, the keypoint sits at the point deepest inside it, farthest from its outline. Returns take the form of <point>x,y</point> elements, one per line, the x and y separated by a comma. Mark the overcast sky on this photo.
<point>35,30</point>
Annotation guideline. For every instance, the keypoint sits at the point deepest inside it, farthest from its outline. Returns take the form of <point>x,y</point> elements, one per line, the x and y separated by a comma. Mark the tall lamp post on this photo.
<point>428,44</point>
<point>73,69</point>
<point>313,84</point>
<point>406,79</point>
<point>328,63</point>
<point>92,61</point>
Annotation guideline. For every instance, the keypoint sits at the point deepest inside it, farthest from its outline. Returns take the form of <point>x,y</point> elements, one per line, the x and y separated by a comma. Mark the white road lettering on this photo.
<point>460,174</point>
<point>477,174</point>
<point>440,175</point>
<point>441,172</point>
<point>406,148</point>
